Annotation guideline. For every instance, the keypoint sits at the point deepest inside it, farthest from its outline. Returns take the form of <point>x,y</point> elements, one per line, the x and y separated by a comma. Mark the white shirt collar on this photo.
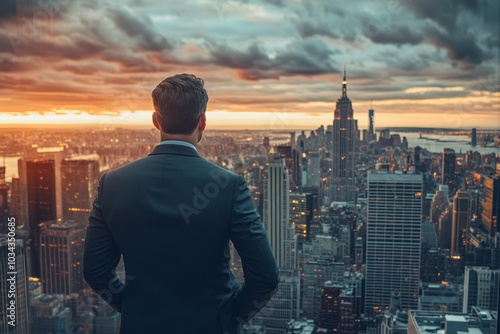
<point>178,142</point>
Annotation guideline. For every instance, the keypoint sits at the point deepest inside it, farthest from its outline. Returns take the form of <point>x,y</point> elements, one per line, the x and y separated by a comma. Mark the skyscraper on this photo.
<point>345,128</point>
<point>330,316</point>
<point>444,229</point>
<point>393,239</point>
<point>61,256</point>
<point>276,213</point>
<point>298,215</point>
<point>313,170</point>
<point>371,124</point>
<point>481,285</point>
<point>80,176</point>
<point>448,168</point>
<point>491,204</point>
<point>285,304</point>
<point>438,205</point>
<point>41,183</point>
<point>16,210</point>
<point>460,222</point>
<point>473,137</point>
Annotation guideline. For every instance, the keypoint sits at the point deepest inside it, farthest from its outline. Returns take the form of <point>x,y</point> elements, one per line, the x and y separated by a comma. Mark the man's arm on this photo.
<point>101,256</point>
<point>259,266</point>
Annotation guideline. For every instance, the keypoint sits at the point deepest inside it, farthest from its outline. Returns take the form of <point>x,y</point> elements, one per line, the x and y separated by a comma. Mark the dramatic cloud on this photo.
<point>263,55</point>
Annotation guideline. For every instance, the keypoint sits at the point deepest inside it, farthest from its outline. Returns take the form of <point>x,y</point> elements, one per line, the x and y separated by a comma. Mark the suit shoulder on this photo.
<point>222,171</point>
<point>125,169</point>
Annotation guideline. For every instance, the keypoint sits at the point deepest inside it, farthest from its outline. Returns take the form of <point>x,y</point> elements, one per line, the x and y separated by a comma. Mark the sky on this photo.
<point>266,63</point>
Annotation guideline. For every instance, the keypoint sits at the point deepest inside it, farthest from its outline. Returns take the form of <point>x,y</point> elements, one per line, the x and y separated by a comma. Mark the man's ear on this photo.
<point>202,123</point>
<point>155,120</point>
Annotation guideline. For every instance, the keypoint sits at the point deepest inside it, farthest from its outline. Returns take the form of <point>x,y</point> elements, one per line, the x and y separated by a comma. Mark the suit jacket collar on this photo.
<point>175,149</point>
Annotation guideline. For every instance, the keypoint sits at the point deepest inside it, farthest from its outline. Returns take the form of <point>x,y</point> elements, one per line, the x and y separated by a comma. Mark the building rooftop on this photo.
<point>300,327</point>
<point>427,322</point>
<point>456,318</point>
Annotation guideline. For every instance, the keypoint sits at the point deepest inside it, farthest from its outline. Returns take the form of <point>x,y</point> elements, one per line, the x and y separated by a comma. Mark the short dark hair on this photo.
<point>179,102</point>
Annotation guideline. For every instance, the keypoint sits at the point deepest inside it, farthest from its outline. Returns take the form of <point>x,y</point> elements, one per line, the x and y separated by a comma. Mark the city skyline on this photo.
<point>100,66</point>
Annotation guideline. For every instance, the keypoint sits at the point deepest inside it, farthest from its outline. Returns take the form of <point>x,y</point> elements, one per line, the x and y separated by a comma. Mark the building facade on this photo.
<point>393,239</point>
<point>345,127</point>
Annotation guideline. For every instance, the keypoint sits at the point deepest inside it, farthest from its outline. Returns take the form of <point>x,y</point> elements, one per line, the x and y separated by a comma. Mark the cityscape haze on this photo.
<point>368,135</point>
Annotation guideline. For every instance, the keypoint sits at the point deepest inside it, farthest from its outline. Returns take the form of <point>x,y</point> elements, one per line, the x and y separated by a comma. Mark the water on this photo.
<point>457,143</point>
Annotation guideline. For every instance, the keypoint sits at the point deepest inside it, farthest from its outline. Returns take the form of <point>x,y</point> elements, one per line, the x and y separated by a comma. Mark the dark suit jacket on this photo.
<point>171,215</point>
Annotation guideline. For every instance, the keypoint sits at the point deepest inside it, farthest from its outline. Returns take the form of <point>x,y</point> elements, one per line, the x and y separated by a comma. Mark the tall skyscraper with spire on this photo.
<point>344,143</point>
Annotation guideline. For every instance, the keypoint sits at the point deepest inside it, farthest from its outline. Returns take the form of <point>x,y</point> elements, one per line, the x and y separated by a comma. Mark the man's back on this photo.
<point>171,215</point>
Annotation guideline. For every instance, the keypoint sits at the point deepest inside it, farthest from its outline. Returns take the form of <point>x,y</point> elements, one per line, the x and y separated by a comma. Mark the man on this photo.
<point>171,216</point>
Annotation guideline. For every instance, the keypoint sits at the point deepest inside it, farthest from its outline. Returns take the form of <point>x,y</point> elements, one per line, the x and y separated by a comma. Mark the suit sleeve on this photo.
<point>259,266</point>
<point>101,256</point>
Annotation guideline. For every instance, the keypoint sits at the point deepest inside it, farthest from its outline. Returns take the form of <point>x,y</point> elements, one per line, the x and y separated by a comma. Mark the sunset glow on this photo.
<point>97,63</point>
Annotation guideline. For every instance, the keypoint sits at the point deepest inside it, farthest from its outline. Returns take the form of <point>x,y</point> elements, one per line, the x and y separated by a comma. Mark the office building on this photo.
<point>439,204</point>
<point>440,297</point>
<point>107,320</point>
<point>481,288</point>
<point>460,222</point>
<point>491,204</point>
<point>448,165</point>
<point>393,239</point>
<point>423,322</point>
<point>313,170</point>
<point>80,176</point>
<point>298,215</point>
<point>49,315</point>
<point>292,158</point>
<point>345,127</point>
<point>42,203</point>
<point>284,306</point>
<point>473,137</point>
<point>433,264</point>
<point>444,229</point>
<point>330,318</point>
<point>61,256</point>
<point>276,214</point>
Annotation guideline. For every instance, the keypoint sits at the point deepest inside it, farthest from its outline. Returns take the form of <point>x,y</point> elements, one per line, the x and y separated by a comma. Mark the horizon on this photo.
<point>415,63</point>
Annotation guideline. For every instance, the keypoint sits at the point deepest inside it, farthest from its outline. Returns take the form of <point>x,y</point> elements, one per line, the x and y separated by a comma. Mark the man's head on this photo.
<point>180,103</point>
